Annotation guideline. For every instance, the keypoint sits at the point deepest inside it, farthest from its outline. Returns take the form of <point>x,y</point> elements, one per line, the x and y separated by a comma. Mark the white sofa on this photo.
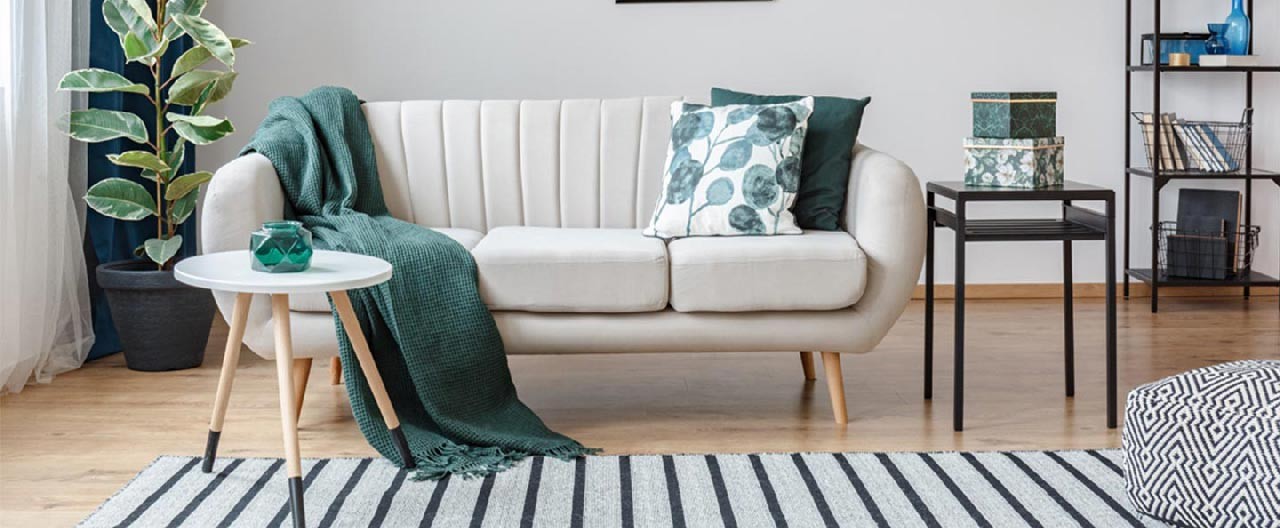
<point>550,197</point>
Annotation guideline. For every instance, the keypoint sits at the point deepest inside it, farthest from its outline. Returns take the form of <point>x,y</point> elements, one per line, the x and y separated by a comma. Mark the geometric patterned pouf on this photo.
<point>1202,448</point>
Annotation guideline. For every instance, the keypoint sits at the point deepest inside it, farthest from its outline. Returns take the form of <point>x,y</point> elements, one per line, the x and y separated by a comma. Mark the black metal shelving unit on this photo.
<point>1159,178</point>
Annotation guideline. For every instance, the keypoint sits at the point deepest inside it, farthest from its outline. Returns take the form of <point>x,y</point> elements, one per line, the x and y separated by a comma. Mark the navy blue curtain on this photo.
<point>107,239</point>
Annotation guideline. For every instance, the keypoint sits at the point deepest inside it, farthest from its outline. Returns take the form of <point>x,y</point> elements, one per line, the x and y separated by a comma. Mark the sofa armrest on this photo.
<point>241,196</point>
<point>885,213</point>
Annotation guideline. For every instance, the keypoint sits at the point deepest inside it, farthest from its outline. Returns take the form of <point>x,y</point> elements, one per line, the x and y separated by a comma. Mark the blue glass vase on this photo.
<point>281,247</point>
<point>1237,34</point>
<point>1217,43</point>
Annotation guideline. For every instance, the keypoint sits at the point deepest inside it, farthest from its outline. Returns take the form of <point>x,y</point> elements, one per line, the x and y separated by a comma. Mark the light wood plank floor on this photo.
<point>66,447</point>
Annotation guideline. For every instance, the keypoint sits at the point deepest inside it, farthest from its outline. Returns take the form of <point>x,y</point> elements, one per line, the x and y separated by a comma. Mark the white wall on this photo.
<point>919,59</point>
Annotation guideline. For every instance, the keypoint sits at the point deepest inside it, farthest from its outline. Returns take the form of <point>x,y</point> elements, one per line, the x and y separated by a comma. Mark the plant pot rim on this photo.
<point>136,274</point>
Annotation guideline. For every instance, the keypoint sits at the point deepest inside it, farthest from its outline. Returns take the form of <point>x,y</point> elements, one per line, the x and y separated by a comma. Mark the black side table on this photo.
<point>1077,223</point>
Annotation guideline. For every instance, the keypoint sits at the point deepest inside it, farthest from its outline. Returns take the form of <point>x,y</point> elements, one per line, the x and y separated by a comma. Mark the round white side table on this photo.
<point>331,272</point>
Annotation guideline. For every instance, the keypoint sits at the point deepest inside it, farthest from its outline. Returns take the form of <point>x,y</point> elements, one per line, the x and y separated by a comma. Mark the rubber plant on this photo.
<point>145,35</point>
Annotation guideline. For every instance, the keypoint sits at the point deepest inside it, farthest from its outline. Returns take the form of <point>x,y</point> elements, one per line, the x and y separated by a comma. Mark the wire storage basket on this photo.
<point>1196,146</point>
<point>1194,254</point>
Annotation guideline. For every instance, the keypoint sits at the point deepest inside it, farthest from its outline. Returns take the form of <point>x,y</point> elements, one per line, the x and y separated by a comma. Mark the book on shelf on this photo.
<point>1169,144</point>
<point>1166,153</point>
<point>1196,256</point>
<point>1165,157</point>
<point>1201,156</point>
<point>1186,146</point>
<point>1148,135</point>
<point>1223,156</point>
<point>1222,61</point>
<point>1195,155</point>
<point>1210,213</point>
<point>1189,224</point>
<point>1198,247</point>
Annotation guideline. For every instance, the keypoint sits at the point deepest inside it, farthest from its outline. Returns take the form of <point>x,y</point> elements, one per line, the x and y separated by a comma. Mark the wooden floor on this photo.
<point>66,447</point>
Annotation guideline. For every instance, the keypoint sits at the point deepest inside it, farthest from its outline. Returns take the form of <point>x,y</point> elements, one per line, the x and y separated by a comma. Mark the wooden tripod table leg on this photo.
<point>342,303</point>
<point>288,415</point>
<point>230,360</point>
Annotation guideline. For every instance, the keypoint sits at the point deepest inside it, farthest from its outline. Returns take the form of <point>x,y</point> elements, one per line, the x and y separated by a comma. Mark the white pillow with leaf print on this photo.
<point>732,170</point>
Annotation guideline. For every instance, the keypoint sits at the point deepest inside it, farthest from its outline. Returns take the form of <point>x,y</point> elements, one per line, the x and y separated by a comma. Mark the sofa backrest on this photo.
<point>486,164</point>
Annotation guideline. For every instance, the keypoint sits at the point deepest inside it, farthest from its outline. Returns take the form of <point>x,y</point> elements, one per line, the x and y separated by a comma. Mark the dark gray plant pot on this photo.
<point>163,324</point>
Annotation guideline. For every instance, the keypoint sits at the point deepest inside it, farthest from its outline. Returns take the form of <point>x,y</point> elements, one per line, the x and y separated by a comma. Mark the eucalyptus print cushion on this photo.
<point>732,170</point>
<point>828,153</point>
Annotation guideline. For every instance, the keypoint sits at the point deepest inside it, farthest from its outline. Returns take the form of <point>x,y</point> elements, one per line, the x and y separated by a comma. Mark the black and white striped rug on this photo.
<point>1051,489</point>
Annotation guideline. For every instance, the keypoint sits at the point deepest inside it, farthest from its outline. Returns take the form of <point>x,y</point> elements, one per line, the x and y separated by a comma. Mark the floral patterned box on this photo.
<point>1022,115</point>
<point>1026,163</point>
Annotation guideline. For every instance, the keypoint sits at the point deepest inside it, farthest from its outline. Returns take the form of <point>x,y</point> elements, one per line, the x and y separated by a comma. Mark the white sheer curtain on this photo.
<point>45,326</point>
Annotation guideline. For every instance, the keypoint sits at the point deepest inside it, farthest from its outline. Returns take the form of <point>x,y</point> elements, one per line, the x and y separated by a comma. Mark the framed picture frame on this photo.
<point>680,1</point>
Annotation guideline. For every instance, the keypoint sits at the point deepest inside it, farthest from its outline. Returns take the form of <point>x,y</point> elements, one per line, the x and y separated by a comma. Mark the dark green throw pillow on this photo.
<point>828,153</point>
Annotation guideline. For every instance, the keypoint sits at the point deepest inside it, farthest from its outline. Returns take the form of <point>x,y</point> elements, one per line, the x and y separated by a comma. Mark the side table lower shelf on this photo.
<point>1045,229</point>
<point>1255,279</point>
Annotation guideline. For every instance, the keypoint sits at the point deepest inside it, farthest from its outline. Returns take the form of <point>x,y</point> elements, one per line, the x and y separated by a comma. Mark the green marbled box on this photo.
<point>1021,115</point>
<point>1024,163</point>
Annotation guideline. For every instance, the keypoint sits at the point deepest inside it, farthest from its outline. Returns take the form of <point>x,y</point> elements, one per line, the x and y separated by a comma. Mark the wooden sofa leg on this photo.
<point>301,373</point>
<point>835,385</point>
<point>335,370</point>
<point>806,362</point>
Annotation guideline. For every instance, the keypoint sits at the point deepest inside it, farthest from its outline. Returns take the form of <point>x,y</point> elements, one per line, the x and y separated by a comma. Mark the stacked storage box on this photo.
<point>1015,141</point>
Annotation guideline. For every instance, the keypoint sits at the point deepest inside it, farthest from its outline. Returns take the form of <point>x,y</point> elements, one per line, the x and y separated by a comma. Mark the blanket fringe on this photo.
<point>477,462</point>
<point>572,451</point>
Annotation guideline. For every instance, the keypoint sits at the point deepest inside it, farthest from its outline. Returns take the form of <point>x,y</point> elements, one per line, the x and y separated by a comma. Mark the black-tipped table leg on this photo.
<point>230,360</point>
<point>296,504</point>
<point>369,367</point>
<point>402,447</point>
<point>288,403</point>
<point>210,451</point>
<point>222,271</point>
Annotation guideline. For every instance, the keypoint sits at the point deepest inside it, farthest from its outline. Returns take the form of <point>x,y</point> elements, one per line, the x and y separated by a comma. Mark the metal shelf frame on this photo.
<point>1160,178</point>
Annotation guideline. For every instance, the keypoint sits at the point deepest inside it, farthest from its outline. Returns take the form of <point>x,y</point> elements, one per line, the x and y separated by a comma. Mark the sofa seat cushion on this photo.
<point>819,270</point>
<point>543,269</point>
<point>319,302</point>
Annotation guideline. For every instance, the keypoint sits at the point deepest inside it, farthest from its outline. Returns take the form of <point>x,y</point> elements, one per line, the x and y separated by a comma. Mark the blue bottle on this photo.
<point>1237,34</point>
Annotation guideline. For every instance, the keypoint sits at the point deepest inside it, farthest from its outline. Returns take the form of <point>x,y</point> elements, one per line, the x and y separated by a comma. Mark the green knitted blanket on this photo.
<point>436,345</point>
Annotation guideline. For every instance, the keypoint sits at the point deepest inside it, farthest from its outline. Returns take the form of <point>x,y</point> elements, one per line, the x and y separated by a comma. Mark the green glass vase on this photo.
<point>281,247</point>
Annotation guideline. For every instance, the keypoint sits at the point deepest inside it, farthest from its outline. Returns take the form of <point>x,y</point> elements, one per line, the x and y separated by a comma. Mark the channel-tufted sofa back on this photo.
<point>486,164</point>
